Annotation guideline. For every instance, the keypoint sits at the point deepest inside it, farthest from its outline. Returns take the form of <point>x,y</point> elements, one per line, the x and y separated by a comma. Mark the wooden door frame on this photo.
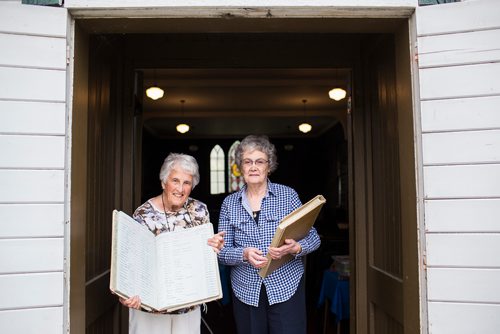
<point>127,164</point>
<point>357,201</point>
<point>361,205</point>
<point>77,136</point>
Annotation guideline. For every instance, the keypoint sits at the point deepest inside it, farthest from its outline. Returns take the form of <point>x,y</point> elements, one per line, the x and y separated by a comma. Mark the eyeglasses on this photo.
<point>258,162</point>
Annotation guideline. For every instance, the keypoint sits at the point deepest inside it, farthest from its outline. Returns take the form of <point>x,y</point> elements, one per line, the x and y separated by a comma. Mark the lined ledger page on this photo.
<point>135,259</point>
<point>169,271</point>
<point>187,266</point>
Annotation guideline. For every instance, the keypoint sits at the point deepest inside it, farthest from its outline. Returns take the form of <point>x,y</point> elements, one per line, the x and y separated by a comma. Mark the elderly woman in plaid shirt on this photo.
<point>249,217</point>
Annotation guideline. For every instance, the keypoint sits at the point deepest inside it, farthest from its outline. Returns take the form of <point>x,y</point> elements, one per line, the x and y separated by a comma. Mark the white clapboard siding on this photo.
<point>462,181</point>
<point>31,255</point>
<point>28,186</point>
<point>32,168</point>
<point>460,81</point>
<point>42,21</point>
<point>32,151</point>
<point>31,220</point>
<point>459,68</point>
<point>32,84</point>
<point>31,290</point>
<point>468,285</point>
<point>470,47</point>
<point>461,147</point>
<point>19,50</point>
<point>463,17</point>
<point>469,215</point>
<point>472,250</point>
<point>463,318</point>
<point>460,114</point>
<point>15,321</point>
<point>26,117</point>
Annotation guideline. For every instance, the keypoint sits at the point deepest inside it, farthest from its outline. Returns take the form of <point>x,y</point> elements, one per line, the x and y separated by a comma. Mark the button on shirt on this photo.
<point>243,231</point>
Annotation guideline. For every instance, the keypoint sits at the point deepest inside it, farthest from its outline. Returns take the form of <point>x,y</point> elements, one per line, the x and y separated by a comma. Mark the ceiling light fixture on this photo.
<point>337,94</point>
<point>154,92</point>
<point>305,127</point>
<point>182,127</point>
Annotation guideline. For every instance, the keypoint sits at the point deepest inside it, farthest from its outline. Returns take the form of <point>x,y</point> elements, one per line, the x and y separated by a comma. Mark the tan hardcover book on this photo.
<point>168,271</point>
<point>295,225</point>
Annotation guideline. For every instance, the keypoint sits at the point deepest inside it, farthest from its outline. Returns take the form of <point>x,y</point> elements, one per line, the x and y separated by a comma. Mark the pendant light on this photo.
<point>305,127</point>
<point>337,94</point>
<point>154,92</point>
<point>182,127</point>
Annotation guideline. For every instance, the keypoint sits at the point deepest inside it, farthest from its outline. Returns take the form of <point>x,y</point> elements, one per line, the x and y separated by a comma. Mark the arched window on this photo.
<point>217,179</point>
<point>235,178</point>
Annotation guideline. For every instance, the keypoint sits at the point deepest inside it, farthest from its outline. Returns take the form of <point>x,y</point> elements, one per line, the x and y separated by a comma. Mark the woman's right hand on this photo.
<point>132,302</point>
<point>254,257</point>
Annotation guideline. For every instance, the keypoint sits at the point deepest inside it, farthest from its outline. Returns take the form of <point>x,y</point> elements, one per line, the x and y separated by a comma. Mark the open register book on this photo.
<point>169,271</point>
<point>295,225</point>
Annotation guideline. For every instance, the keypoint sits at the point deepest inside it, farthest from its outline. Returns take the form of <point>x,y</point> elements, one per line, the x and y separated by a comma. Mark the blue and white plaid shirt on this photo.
<point>242,231</point>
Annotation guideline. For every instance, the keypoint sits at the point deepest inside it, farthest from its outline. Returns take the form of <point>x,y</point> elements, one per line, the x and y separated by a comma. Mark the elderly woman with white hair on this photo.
<point>172,209</point>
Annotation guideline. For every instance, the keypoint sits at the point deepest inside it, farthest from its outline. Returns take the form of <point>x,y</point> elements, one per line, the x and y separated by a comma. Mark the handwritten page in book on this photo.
<point>186,253</point>
<point>170,271</point>
<point>134,258</point>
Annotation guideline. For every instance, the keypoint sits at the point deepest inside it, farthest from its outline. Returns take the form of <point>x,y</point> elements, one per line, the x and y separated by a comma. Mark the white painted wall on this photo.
<point>459,61</point>
<point>32,167</point>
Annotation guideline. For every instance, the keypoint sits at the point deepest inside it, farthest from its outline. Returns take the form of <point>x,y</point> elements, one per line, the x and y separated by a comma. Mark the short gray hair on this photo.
<point>260,143</point>
<point>183,161</point>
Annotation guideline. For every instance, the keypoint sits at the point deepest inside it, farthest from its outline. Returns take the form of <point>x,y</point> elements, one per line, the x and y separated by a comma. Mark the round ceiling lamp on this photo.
<point>154,92</point>
<point>182,127</point>
<point>337,94</point>
<point>305,127</point>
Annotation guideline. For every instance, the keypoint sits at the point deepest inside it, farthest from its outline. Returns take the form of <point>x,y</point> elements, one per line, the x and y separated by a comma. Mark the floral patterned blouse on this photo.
<point>193,213</point>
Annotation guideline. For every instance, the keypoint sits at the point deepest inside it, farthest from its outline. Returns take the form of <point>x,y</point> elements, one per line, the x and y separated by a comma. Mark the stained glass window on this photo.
<point>217,178</point>
<point>236,181</point>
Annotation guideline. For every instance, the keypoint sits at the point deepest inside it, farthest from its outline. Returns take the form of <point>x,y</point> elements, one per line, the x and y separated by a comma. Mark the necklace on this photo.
<point>165,211</point>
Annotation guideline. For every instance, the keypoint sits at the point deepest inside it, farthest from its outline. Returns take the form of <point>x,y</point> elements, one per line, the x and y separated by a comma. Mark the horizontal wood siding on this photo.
<point>32,151</point>
<point>467,317</point>
<point>464,250</point>
<point>459,70</point>
<point>32,84</point>
<point>34,290</point>
<point>460,81</point>
<point>18,50</point>
<point>28,186</point>
<point>480,113</point>
<point>31,255</point>
<point>28,117</point>
<point>461,147</point>
<point>38,220</point>
<point>441,288</point>
<point>50,319</point>
<point>463,215</point>
<point>32,167</point>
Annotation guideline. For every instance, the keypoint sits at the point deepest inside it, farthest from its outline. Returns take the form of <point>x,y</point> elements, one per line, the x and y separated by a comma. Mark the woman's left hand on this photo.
<point>217,241</point>
<point>289,247</point>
